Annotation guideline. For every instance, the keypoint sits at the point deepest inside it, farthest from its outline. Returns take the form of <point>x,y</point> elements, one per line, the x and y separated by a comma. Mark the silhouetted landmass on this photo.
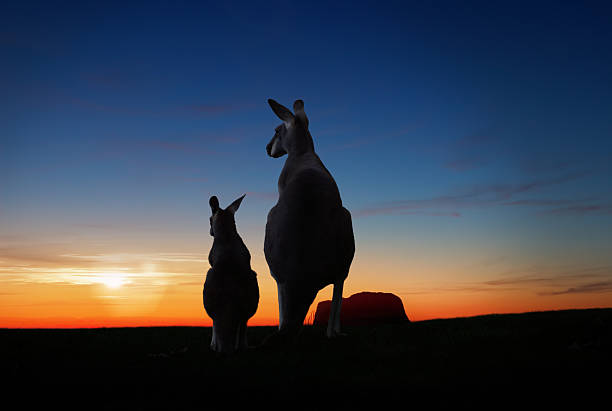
<point>365,308</point>
<point>541,359</point>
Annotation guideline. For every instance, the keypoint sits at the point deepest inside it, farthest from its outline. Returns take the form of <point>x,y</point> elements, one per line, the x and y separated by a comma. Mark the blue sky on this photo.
<point>469,126</point>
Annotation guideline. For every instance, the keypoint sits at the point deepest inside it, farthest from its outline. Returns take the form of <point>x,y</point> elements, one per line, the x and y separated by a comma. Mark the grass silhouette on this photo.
<point>545,356</point>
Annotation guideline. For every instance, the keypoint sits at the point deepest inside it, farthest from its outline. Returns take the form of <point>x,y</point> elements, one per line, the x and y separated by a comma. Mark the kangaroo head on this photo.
<point>292,135</point>
<point>222,223</point>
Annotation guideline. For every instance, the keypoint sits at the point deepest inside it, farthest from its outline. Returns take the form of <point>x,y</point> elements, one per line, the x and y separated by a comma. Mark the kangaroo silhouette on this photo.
<point>231,293</point>
<point>309,241</point>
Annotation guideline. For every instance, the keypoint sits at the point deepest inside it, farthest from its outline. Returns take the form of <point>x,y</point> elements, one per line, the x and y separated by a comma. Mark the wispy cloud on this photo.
<point>191,257</point>
<point>99,226</point>
<point>121,105</point>
<point>470,151</point>
<point>605,209</point>
<point>458,288</point>
<point>599,287</point>
<point>539,202</point>
<point>566,280</point>
<point>202,143</point>
<point>571,207</point>
<point>540,280</point>
<point>395,210</point>
<point>474,196</point>
<point>112,269</point>
<point>486,148</point>
<point>110,276</point>
<point>538,163</point>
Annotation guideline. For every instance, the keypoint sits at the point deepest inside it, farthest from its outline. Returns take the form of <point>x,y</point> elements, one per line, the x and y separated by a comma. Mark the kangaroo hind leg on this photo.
<point>213,343</point>
<point>333,324</point>
<point>242,343</point>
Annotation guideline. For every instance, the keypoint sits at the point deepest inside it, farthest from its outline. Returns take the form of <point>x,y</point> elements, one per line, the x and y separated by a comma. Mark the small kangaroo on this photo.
<point>309,240</point>
<point>231,293</point>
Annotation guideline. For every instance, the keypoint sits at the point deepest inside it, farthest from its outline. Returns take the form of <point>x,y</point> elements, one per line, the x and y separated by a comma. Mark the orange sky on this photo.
<point>157,289</point>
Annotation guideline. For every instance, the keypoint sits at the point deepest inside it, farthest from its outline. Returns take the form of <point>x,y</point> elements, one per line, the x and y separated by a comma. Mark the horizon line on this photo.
<point>276,324</point>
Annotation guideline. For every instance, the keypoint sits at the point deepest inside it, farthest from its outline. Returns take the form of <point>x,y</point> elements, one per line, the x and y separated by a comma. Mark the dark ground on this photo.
<point>544,358</point>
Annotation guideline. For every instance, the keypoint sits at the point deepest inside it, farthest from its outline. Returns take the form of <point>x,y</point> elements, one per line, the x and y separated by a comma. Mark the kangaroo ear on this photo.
<point>298,109</point>
<point>214,204</point>
<point>281,111</point>
<point>235,205</point>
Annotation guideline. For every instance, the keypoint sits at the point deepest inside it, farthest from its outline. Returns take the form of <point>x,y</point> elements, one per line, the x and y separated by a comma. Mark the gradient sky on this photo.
<point>470,140</point>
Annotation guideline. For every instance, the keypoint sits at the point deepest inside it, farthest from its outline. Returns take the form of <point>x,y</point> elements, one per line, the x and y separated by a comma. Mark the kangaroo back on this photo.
<point>231,294</point>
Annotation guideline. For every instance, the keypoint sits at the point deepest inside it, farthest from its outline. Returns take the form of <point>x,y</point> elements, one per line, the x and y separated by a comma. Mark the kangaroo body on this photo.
<point>309,240</point>
<point>231,293</point>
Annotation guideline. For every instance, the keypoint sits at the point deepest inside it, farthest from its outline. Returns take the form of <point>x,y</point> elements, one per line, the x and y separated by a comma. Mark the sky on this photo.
<point>471,142</point>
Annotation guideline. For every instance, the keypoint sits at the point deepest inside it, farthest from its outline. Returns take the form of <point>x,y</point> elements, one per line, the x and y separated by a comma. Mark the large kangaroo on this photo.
<point>230,294</point>
<point>309,240</point>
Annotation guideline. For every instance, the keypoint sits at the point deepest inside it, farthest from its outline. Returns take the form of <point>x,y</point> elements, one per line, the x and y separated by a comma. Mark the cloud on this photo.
<point>538,279</point>
<point>458,288</point>
<point>538,202</point>
<point>568,280</point>
<point>100,226</point>
<point>120,104</point>
<point>110,274</point>
<point>544,163</point>
<point>565,207</point>
<point>365,212</point>
<point>600,287</point>
<point>122,257</point>
<point>130,269</point>
<point>508,191</point>
<point>493,146</point>
<point>470,151</point>
<point>582,210</point>
<point>474,196</point>
<point>25,255</point>
<point>202,143</point>
<point>545,272</point>
<point>522,281</point>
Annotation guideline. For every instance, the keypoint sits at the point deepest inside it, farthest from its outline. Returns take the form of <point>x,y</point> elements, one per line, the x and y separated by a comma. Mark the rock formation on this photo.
<point>365,308</point>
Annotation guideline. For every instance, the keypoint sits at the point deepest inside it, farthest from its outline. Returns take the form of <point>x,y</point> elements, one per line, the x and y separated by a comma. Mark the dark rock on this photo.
<point>365,308</point>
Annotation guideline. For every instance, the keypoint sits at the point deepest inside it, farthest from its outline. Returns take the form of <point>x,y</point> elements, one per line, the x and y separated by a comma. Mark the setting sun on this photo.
<point>112,280</point>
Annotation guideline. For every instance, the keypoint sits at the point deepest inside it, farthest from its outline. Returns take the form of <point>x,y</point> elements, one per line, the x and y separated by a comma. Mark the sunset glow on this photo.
<point>472,146</point>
